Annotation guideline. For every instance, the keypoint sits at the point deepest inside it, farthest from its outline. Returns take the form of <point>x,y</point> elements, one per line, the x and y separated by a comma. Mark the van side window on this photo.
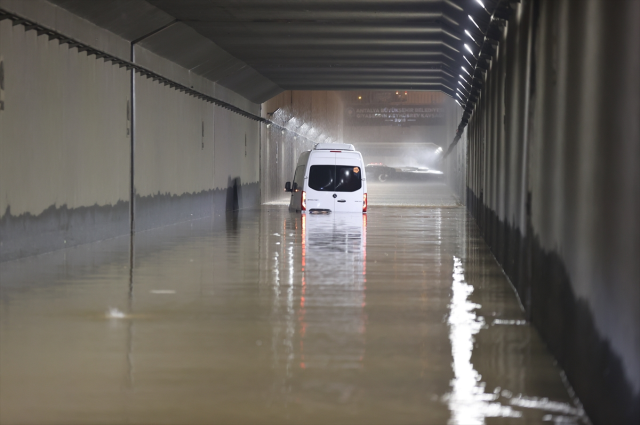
<point>335,178</point>
<point>298,178</point>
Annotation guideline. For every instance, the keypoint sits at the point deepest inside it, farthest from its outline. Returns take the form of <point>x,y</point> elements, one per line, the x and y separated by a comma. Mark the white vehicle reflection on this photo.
<point>332,319</point>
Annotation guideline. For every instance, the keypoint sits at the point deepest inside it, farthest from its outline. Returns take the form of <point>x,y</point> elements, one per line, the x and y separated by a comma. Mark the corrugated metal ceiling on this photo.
<point>260,47</point>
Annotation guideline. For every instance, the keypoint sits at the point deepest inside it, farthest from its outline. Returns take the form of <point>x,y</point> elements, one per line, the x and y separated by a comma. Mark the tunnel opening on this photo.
<point>400,134</point>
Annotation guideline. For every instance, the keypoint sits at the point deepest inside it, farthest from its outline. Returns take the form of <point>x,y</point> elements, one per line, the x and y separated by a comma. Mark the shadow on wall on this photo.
<point>234,194</point>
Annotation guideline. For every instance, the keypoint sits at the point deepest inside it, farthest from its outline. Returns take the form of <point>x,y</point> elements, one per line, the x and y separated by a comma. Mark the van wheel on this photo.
<point>383,177</point>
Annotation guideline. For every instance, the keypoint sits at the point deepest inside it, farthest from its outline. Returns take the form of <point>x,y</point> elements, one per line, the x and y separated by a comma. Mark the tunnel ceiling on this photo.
<point>261,47</point>
<point>338,44</point>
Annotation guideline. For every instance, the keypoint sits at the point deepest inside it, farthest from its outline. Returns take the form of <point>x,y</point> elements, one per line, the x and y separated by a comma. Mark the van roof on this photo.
<point>334,147</point>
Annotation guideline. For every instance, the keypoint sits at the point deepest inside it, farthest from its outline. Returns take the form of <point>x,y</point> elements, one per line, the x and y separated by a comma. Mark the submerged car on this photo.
<point>416,173</point>
<point>379,172</point>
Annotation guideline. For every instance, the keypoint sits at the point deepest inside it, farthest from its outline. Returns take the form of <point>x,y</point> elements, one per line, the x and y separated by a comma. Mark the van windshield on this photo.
<point>335,178</point>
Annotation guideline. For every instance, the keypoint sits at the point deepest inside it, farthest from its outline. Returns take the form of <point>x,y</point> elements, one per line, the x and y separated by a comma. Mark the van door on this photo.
<point>349,184</point>
<point>320,182</point>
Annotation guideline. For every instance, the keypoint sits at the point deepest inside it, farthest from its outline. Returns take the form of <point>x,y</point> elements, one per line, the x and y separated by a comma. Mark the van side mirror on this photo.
<point>287,187</point>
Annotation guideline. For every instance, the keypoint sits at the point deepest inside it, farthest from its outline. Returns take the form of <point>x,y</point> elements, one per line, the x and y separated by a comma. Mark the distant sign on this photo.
<point>404,115</point>
<point>388,97</point>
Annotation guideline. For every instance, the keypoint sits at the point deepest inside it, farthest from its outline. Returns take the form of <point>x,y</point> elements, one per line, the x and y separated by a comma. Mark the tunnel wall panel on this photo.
<point>318,116</point>
<point>237,160</point>
<point>64,162</point>
<point>173,155</point>
<point>65,140</point>
<point>193,159</point>
<point>553,182</point>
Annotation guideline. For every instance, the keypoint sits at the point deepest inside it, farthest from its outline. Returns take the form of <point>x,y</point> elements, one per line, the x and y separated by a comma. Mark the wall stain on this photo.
<point>60,227</point>
<point>162,209</point>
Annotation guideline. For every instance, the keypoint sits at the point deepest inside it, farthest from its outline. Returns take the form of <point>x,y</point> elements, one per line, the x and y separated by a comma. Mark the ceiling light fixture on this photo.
<point>474,23</point>
<point>466,46</point>
<point>465,58</point>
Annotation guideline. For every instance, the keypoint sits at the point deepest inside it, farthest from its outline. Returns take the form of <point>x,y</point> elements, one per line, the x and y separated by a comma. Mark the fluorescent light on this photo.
<point>480,3</point>
<point>462,76</point>
<point>465,58</point>
<point>465,70</point>
<point>466,46</point>
<point>474,22</point>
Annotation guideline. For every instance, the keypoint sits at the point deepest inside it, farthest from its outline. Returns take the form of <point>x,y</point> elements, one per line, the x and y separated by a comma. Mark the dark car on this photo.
<point>378,172</point>
<point>418,174</point>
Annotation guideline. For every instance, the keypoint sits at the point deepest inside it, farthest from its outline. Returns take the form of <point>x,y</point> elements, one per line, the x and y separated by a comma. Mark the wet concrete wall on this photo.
<point>553,181</point>
<point>454,164</point>
<point>65,140</point>
<point>312,117</point>
<point>193,159</point>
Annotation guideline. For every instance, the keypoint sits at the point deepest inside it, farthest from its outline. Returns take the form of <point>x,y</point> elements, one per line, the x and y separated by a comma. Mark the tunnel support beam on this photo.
<point>132,202</point>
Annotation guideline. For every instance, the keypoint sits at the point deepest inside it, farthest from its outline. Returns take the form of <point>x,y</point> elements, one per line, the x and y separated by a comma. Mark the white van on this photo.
<point>329,178</point>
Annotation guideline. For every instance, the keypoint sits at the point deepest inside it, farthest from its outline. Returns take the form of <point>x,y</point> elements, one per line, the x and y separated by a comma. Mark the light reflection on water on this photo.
<point>318,265</point>
<point>333,281</point>
<point>468,402</point>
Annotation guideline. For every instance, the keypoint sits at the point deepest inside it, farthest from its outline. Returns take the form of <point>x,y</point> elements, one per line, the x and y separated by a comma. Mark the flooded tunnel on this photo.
<point>156,267</point>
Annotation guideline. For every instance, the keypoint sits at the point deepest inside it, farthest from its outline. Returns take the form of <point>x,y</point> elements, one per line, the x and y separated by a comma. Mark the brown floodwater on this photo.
<point>399,316</point>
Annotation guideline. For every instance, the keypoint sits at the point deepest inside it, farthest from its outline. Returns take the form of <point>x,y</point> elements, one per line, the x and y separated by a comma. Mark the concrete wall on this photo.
<point>193,159</point>
<point>65,140</point>
<point>237,158</point>
<point>64,146</point>
<point>554,183</point>
<point>312,117</point>
<point>454,164</point>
